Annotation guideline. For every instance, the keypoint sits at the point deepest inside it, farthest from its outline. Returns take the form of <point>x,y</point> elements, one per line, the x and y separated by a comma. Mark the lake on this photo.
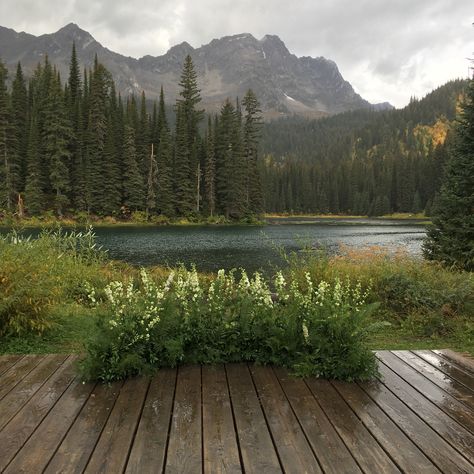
<point>252,247</point>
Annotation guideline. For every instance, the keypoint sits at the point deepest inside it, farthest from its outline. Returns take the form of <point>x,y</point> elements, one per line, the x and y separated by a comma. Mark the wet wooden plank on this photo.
<point>15,434</point>
<point>331,452</point>
<point>452,370</point>
<point>422,387</point>
<point>113,447</point>
<point>293,449</point>
<point>363,446</point>
<point>14,375</point>
<point>149,447</point>
<point>450,445</point>
<point>401,449</point>
<point>465,361</point>
<point>40,447</point>
<point>8,360</point>
<point>75,450</point>
<point>221,453</point>
<point>255,442</point>
<point>12,402</point>
<point>185,443</point>
<point>449,385</point>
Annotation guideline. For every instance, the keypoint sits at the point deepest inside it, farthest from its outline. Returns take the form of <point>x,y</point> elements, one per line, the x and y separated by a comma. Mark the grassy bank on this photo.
<point>50,220</point>
<point>46,305</point>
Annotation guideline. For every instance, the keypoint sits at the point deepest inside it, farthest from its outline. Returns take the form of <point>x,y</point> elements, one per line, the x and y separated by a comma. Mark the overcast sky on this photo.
<point>387,49</point>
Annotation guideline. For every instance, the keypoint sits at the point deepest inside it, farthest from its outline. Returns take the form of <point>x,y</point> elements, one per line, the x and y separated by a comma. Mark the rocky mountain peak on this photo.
<point>226,67</point>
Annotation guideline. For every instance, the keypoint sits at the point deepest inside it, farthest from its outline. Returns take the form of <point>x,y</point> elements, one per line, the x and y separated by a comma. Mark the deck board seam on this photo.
<point>420,418</point>
<point>464,367</point>
<point>457,366</point>
<point>239,450</point>
<point>420,372</point>
<point>137,424</point>
<point>297,420</point>
<point>35,392</point>
<point>430,402</point>
<point>367,429</point>
<point>8,367</point>
<point>22,378</point>
<point>170,422</point>
<point>266,420</point>
<point>103,427</point>
<point>2,371</point>
<point>69,428</point>
<point>18,452</point>
<point>334,427</point>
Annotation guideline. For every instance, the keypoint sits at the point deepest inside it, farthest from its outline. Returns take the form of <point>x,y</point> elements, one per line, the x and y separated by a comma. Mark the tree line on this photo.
<point>81,147</point>
<point>361,162</point>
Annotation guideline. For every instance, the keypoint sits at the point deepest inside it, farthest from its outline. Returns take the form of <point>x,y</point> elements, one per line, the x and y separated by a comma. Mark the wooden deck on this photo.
<point>239,418</point>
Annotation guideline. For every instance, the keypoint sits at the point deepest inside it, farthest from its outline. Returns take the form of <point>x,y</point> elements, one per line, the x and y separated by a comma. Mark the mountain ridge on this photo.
<point>226,67</point>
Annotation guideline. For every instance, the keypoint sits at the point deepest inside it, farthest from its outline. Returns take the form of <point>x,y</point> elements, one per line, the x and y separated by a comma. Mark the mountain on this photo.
<point>227,67</point>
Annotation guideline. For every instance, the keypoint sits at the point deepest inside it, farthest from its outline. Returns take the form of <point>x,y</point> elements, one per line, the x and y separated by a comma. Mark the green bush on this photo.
<point>36,274</point>
<point>319,330</point>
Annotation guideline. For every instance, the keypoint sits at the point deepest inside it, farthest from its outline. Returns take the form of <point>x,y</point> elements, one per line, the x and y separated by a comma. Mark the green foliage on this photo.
<point>38,274</point>
<point>451,237</point>
<point>418,295</point>
<point>320,330</point>
<point>360,162</point>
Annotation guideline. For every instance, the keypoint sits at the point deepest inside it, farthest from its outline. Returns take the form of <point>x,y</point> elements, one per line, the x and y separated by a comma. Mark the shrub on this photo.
<point>313,329</point>
<point>36,274</point>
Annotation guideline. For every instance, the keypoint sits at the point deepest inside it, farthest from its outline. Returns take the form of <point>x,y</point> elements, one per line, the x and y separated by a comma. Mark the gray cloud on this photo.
<point>388,49</point>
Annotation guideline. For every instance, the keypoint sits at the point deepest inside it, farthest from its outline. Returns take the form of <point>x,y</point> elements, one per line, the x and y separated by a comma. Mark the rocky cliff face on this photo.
<point>227,67</point>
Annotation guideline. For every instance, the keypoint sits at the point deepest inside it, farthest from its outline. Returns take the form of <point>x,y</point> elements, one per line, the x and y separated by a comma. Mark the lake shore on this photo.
<point>161,221</point>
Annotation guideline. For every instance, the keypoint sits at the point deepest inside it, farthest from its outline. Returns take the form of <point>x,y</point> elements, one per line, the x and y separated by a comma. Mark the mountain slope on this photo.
<point>227,67</point>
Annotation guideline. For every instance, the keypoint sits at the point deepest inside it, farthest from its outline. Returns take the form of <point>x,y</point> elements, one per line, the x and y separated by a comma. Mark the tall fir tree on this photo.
<point>251,137</point>
<point>100,83</point>
<point>56,138</point>
<point>451,237</point>
<point>19,107</point>
<point>190,117</point>
<point>183,183</point>
<point>165,197</point>
<point>9,172</point>
<point>75,112</point>
<point>210,170</point>
<point>133,185</point>
<point>34,196</point>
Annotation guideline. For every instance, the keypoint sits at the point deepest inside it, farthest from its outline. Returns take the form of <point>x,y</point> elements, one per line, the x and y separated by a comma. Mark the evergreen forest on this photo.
<point>79,147</point>
<point>362,162</point>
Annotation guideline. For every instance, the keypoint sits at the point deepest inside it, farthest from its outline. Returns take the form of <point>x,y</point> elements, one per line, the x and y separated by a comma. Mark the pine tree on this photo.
<point>451,237</point>
<point>75,109</point>
<point>183,185</point>
<point>133,186</point>
<point>152,183</point>
<point>190,118</point>
<point>230,171</point>
<point>210,173</point>
<point>34,196</point>
<point>165,197</point>
<point>9,170</point>
<point>251,136</point>
<point>19,109</point>
<point>100,84</point>
<point>56,138</point>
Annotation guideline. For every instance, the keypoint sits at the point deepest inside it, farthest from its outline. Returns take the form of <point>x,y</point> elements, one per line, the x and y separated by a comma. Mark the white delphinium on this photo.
<point>280,286</point>
<point>260,291</point>
<point>321,292</point>
<point>337,292</point>
<point>305,332</point>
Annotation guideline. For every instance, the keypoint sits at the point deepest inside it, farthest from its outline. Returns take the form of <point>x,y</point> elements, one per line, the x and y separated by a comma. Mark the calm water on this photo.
<point>252,247</point>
